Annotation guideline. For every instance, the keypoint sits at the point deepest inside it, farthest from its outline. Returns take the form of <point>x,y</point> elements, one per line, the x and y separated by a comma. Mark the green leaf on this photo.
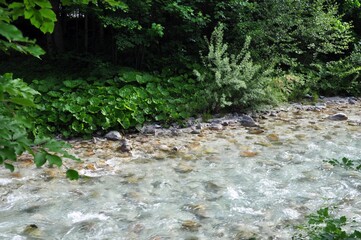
<point>43,4</point>
<point>48,13</point>
<point>70,156</point>
<point>53,159</point>
<point>9,166</point>
<point>23,102</point>
<point>8,153</point>
<point>40,159</point>
<point>72,174</point>
<point>47,27</point>
<point>10,32</point>
<point>54,145</point>
<point>34,50</point>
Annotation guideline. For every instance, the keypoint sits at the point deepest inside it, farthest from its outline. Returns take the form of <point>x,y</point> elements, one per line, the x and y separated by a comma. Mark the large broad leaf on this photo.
<point>22,102</point>
<point>8,153</point>
<point>47,27</point>
<point>10,32</point>
<point>40,159</point>
<point>54,160</point>
<point>43,3</point>
<point>72,174</point>
<point>55,146</point>
<point>67,155</point>
<point>48,13</point>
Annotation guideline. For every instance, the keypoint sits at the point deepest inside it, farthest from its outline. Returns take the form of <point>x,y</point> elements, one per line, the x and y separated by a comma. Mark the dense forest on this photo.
<point>78,67</point>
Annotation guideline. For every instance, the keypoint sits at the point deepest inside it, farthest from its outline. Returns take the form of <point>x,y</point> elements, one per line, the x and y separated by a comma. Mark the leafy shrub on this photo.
<point>17,132</point>
<point>339,77</point>
<point>232,80</point>
<point>300,32</point>
<point>323,225</point>
<point>80,107</point>
<point>345,163</point>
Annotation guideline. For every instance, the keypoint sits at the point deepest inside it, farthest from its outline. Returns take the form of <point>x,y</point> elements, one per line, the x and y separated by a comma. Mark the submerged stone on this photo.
<point>190,225</point>
<point>183,168</point>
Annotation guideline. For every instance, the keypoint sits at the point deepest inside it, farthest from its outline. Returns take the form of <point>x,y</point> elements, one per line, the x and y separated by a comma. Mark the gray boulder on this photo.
<point>113,135</point>
<point>338,117</point>
<point>248,121</point>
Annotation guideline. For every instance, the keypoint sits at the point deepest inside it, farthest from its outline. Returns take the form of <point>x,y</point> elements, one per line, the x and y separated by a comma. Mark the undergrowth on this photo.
<point>324,225</point>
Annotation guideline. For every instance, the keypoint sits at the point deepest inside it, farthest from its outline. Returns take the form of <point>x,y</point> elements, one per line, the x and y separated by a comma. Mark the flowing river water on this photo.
<point>234,183</point>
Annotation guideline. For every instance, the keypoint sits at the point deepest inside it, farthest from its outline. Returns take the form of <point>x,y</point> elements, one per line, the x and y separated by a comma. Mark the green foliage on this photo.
<point>338,77</point>
<point>232,80</point>
<point>323,225</point>
<point>17,132</point>
<point>80,107</point>
<point>345,163</point>
<point>296,31</point>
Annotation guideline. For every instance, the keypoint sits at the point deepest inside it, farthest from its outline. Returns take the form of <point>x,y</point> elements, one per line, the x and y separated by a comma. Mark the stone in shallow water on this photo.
<point>190,225</point>
<point>248,153</point>
<point>125,146</point>
<point>256,131</point>
<point>32,231</point>
<point>113,135</point>
<point>183,168</point>
<point>338,117</point>
<point>198,210</point>
<point>273,137</point>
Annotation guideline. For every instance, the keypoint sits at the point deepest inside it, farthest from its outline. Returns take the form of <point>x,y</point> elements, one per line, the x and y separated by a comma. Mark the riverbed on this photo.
<point>224,182</point>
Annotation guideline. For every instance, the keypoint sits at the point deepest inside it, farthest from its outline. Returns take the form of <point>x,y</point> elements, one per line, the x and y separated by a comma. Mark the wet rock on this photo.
<point>352,101</point>
<point>273,137</point>
<point>195,131</point>
<point>150,129</point>
<point>113,135</point>
<point>228,122</point>
<point>178,148</point>
<point>164,148</point>
<point>175,132</point>
<point>273,114</point>
<point>212,187</point>
<point>32,230</point>
<point>216,126</point>
<point>125,146</point>
<point>191,225</point>
<point>246,232</point>
<point>248,153</point>
<point>247,121</point>
<point>256,131</point>
<point>197,209</point>
<point>320,106</point>
<point>136,228</point>
<point>201,126</point>
<point>338,117</point>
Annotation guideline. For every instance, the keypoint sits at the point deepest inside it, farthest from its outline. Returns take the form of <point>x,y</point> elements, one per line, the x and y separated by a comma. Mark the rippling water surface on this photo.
<point>237,183</point>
